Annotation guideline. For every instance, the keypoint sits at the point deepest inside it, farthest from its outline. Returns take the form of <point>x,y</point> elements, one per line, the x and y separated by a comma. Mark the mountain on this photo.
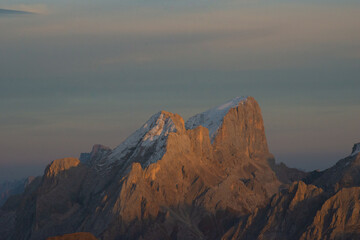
<point>345,173</point>
<point>327,207</point>
<point>9,188</point>
<point>285,217</point>
<point>211,177</point>
<point>98,152</point>
<point>285,174</point>
<point>169,179</point>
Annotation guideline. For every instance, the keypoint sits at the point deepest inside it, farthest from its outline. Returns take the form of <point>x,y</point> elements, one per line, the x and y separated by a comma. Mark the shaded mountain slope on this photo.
<point>345,173</point>
<point>8,189</point>
<point>330,210</point>
<point>285,217</point>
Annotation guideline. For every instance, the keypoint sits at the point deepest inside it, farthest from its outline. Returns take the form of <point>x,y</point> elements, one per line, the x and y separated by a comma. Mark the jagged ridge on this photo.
<point>164,181</point>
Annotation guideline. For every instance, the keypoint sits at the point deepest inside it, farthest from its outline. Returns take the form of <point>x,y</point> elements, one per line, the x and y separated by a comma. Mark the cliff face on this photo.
<point>197,183</point>
<point>242,130</point>
<point>60,166</point>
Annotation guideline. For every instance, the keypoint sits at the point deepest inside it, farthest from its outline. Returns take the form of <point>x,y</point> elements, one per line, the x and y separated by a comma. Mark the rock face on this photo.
<point>209,178</point>
<point>14,211</point>
<point>98,152</point>
<point>285,217</point>
<point>329,210</point>
<point>54,203</point>
<point>193,188</point>
<point>8,189</point>
<point>338,217</point>
<point>167,180</point>
<point>60,166</point>
<point>304,212</point>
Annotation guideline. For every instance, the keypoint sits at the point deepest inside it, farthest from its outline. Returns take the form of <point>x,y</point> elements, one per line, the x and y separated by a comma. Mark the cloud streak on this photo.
<point>254,38</point>
<point>12,12</point>
<point>25,8</point>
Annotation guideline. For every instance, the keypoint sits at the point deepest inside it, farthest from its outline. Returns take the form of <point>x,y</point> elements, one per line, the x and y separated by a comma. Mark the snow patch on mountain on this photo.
<point>213,118</point>
<point>146,145</point>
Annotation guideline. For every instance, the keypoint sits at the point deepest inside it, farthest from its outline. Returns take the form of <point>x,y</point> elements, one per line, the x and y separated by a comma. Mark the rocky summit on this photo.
<point>211,177</point>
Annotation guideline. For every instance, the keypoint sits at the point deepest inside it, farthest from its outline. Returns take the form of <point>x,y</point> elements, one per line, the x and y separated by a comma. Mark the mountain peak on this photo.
<point>161,124</point>
<point>99,147</point>
<point>97,151</point>
<point>148,143</point>
<point>355,149</point>
<point>213,118</point>
<point>59,165</point>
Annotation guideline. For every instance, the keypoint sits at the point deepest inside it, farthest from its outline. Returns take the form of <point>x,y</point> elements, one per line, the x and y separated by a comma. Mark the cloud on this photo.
<point>27,8</point>
<point>272,37</point>
<point>11,12</point>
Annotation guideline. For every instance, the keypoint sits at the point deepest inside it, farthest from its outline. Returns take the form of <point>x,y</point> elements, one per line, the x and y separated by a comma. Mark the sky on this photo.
<point>78,73</point>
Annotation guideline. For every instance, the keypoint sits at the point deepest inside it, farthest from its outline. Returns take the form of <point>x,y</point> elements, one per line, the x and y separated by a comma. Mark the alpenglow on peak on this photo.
<point>213,118</point>
<point>148,142</point>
